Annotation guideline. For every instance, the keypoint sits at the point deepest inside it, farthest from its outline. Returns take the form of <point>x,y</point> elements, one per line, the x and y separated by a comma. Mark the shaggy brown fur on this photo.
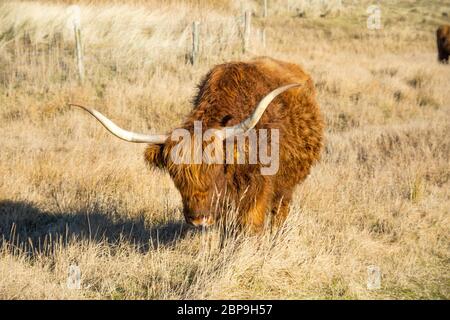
<point>443,43</point>
<point>227,95</point>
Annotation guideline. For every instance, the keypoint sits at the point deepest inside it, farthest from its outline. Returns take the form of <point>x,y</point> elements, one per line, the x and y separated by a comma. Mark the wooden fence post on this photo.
<point>195,42</point>
<point>247,29</point>
<point>263,37</point>
<point>78,46</point>
<point>265,8</point>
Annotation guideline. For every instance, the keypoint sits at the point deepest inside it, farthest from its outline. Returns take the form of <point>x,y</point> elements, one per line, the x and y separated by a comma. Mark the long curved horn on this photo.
<point>253,119</point>
<point>121,133</point>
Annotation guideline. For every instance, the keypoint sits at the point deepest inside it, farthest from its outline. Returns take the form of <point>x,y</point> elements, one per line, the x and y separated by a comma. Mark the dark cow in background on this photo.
<point>443,43</point>
<point>284,96</point>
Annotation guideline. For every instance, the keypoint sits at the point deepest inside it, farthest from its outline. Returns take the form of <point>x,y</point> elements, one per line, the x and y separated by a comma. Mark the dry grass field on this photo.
<point>72,194</point>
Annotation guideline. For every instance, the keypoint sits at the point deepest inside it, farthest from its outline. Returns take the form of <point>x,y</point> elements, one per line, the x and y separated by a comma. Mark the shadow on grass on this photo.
<point>32,230</point>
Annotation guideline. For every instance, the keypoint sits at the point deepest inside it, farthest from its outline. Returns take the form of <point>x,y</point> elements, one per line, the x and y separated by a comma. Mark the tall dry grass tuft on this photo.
<point>70,194</point>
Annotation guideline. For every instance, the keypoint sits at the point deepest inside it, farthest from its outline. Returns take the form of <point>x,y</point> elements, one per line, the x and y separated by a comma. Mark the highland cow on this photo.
<point>443,43</point>
<point>284,97</point>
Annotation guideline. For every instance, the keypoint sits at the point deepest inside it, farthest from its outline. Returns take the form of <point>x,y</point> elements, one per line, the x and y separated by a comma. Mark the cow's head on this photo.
<point>199,184</point>
<point>199,180</point>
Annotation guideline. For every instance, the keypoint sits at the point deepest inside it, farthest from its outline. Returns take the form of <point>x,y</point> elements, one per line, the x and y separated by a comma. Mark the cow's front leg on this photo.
<point>255,213</point>
<point>280,208</point>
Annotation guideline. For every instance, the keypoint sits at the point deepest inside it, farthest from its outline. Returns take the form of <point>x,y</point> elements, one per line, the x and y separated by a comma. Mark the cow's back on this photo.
<point>230,92</point>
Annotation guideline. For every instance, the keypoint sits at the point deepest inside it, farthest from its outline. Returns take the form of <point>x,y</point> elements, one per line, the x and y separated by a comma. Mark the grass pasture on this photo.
<point>72,194</point>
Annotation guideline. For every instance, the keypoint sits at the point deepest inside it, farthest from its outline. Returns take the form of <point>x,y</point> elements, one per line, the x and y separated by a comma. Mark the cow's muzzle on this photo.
<point>201,221</point>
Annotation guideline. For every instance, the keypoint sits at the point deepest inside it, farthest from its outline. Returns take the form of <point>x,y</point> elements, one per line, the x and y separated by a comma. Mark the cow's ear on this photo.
<point>154,155</point>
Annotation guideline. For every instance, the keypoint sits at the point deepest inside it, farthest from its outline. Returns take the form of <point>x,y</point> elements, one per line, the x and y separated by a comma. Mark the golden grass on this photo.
<point>72,194</point>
